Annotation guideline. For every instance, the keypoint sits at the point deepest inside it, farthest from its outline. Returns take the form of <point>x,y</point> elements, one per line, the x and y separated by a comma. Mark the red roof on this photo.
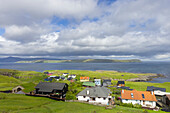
<point>84,78</point>
<point>50,74</point>
<point>138,95</point>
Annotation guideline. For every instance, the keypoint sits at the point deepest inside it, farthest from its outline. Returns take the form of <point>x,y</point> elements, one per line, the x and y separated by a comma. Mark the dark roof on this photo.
<point>151,88</point>
<point>106,80</point>
<point>95,92</point>
<point>121,82</point>
<point>46,72</point>
<point>57,77</point>
<point>49,87</point>
<point>70,78</point>
<point>123,87</point>
<point>48,79</point>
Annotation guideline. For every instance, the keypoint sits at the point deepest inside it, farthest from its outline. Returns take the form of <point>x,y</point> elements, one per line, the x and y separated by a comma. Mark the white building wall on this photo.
<point>147,103</point>
<point>97,100</point>
<point>100,100</point>
<point>131,101</point>
<point>81,98</point>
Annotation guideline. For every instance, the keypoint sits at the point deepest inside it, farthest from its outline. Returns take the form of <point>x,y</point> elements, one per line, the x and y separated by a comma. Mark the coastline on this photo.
<point>144,78</point>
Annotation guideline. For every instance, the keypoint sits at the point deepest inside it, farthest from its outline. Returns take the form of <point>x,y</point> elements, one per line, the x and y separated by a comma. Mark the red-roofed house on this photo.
<point>84,79</point>
<point>144,98</point>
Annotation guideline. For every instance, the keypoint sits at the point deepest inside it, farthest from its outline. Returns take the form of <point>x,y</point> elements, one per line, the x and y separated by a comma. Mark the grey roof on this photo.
<point>49,87</point>
<point>95,92</point>
<point>151,88</point>
<point>20,92</point>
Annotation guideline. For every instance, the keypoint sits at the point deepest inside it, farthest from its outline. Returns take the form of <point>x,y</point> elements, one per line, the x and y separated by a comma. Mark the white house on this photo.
<point>144,98</point>
<point>73,76</point>
<point>100,95</point>
<point>157,90</point>
<point>97,82</point>
<point>65,74</point>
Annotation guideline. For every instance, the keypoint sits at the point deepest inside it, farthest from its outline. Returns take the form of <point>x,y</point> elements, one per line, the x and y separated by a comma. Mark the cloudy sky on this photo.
<point>118,29</point>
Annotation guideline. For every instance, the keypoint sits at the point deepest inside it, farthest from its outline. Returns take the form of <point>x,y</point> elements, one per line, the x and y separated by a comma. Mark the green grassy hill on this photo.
<point>80,61</point>
<point>13,103</point>
<point>12,78</point>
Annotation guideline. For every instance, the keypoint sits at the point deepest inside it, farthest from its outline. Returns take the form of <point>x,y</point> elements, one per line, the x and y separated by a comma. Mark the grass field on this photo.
<point>13,103</point>
<point>28,79</point>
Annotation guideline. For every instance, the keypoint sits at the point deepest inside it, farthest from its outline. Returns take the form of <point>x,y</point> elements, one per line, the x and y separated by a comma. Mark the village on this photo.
<point>101,92</point>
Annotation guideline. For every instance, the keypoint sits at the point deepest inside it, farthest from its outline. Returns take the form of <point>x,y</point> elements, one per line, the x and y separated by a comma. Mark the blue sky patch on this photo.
<point>107,2</point>
<point>2,31</point>
<point>62,22</point>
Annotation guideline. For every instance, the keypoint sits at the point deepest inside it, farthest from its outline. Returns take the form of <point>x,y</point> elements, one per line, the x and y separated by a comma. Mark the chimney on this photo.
<point>152,92</point>
<point>87,92</point>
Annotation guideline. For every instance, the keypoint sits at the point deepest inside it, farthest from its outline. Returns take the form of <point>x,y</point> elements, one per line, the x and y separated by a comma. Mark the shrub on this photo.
<point>127,105</point>
<point>117,102</point>
<point>137,106</point>
<point>70,96</point>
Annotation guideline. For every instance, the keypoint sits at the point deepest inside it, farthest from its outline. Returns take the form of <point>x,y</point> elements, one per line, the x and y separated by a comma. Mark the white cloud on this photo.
<point>125,28</point>
<point>163,56</point>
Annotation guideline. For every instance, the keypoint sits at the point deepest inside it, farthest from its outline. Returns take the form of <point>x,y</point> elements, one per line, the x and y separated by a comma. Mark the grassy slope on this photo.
<point>27,79</point>
<point>14,103</point>
<point>100,74</point>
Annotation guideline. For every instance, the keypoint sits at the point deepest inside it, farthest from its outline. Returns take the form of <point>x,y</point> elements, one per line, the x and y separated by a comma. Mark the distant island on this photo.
<point>80,61</point>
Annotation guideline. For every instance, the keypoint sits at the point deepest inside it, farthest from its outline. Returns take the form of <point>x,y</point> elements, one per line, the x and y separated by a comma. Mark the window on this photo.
<point>126,99</point>
<point>84,96</point>
<point>104,98</point>
<point>143,96</point>
<point>132,95</point>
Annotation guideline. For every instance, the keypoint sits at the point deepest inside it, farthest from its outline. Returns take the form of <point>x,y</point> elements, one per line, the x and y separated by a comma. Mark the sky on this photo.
<point>71,29</point>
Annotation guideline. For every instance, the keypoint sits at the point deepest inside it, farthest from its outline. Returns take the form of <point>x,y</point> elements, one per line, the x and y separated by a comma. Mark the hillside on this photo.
<point>28,79</point>
<point>80,61</point>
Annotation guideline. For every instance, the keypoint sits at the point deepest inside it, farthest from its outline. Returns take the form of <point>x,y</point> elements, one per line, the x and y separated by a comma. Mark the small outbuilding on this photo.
<point>97,82</point>
<point>120,83</point>
<point>84,79</point>
<point>17,89</point>
<point>106,82</point>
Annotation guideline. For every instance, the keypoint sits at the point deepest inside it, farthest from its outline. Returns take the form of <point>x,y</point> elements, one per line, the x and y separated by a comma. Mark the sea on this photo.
<point>141,67</point>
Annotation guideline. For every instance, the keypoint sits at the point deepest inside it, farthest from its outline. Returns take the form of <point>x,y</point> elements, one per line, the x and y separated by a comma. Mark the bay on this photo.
<point>143,67</point>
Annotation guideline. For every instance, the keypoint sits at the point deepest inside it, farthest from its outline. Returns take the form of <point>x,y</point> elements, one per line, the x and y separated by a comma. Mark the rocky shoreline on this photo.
<point>143,78</point>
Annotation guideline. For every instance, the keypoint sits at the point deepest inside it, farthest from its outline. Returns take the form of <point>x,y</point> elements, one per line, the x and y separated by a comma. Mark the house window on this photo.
<point>126,99</point>
<point>93,99</point>
<point>84,96</point>
<point>104,98</point>
<point>143,96</point>
<point>132,95</point>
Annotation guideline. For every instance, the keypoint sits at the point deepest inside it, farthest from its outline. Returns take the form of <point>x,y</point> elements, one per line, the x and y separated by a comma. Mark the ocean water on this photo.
<point>144,67</point>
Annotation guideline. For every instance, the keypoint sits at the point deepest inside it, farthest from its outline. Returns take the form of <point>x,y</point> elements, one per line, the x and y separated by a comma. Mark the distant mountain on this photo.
<point>80,61</point>
<point>16,59</point>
